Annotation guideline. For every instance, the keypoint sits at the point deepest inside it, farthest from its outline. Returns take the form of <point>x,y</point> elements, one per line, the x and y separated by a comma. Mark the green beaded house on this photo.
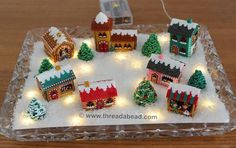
<point>56,82</point>
<point>183,36</point>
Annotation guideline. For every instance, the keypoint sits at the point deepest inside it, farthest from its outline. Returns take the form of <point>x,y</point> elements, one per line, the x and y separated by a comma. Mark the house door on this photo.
<point>175,49</point>
<point>103,46</point>
<point>154,78</point>
<point>100,104</point>
<point>54,95</point>
<point>64,54</point>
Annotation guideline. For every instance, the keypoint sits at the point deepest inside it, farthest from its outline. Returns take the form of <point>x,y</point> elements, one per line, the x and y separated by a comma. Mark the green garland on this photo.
<point>151,46</point>
<point>85,53</point>
<point>145,94</point>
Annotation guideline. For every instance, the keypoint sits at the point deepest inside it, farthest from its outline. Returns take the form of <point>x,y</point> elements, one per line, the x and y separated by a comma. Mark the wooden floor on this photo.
<point>18,16</point>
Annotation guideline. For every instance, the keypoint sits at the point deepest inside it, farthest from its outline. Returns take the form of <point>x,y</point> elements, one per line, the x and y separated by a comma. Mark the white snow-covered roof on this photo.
<point>47,75</point>
<point>101,18</point>
<point>184,23</point>
<point>124,32</point>
<point>104,84</point>
<point>57,35</point>
<point>167,61</point>
<point>184,88</point>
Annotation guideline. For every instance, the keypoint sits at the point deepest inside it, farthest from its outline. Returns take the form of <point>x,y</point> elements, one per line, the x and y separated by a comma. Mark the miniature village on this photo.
<point>57,79</point>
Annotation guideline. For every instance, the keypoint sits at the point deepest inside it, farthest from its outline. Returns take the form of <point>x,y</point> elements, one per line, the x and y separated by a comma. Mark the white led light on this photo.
<point>120,56</point>
<point>85,69</point>
<point>200,67</point>
<point>32,93</point>
<point>122,101</point>
<point>69,100</point>
<point>136,64</point>
<point>26,120</point>
<point>76,120</point>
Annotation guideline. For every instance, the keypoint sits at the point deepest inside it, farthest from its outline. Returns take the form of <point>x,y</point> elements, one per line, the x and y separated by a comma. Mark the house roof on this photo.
<point>183,27</point>
<point>55,37</point>
<point>55,76</point>
<point>97,90</point>
<point>101,22</point>
<point>165,65</point>
<point>183,93</point>
<point>124,35</point>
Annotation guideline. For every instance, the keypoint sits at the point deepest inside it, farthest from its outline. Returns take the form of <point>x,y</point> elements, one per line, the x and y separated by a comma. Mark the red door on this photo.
<point>54,95</point>
<point>103,46</point>
<point>100,104</point>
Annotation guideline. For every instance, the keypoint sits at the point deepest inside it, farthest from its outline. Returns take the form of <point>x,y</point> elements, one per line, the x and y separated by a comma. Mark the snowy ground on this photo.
<point>127,69</point>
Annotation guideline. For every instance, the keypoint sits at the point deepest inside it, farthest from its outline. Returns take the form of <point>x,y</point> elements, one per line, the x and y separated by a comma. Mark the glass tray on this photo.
<point>21,71</point>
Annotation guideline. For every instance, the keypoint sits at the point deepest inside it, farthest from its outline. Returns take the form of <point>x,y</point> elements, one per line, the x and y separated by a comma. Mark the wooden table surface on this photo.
<point>18,16</point>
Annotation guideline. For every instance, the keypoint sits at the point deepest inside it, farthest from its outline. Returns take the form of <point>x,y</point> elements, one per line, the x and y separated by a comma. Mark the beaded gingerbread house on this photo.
<point>58,45</point>
<point>107,39</point>
<point>182,99</point>
<point>98,94</point>
<point>163,70</point>
<point>56,82</point>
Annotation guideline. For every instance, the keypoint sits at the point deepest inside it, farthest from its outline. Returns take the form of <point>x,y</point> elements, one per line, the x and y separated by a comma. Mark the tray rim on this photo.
<point>111,131</point>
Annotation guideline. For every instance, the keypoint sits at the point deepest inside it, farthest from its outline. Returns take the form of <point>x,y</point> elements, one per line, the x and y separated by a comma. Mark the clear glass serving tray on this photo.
<point>21,71</point>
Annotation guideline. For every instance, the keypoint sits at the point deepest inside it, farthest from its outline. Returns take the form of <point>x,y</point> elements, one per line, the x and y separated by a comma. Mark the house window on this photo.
<point>66,88</point>
<point>183,40</point>
<point>182,50</point>
<point>125,46</point>
<point>104,35</point>
<point>90,104</point>
<point>120,46</point>
<point>174,38</point>
<point>166,79</point>
<point>109,100</point>
<point>129,46</point>
<point>100,35</point>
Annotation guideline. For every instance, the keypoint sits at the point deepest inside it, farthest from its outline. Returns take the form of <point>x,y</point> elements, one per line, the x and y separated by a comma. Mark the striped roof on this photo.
<point>55,76</point>
<point>183,93</point>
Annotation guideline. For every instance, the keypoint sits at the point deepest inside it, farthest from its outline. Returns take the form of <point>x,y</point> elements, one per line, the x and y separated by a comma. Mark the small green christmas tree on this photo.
<point>145,93</point>
<point>151,46</point>
<point>36,110</point>
<point>112,48</point>
<point>45,66</point>
<point>197,80</point>
<point>85,53</point>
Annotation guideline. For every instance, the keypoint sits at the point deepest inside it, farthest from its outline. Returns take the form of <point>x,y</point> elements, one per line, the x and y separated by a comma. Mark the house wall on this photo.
<point>180,44</point>
<point>57,88</point>
<point>98,39</point>
<point>160,75</point>
<point>84,104</point>
<point>122,48</point>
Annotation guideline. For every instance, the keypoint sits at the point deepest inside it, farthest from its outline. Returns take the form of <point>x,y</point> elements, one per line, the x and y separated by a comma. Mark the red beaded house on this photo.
<point>163,70</point>
<point>182,99</point>
<point>108,39</point>
<point>58,45</point>
<point>98,94</point>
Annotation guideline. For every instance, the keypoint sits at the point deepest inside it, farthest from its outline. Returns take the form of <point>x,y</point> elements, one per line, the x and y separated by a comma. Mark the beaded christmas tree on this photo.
<point>197,80</point>
<point>145,93</point>
<point>85,53</point>
<point>151,46</point>
<point>36,110</point>
<point>45,66</point>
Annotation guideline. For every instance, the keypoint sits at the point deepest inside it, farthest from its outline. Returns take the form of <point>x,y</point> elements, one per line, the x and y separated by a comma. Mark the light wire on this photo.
<point>164,9</point>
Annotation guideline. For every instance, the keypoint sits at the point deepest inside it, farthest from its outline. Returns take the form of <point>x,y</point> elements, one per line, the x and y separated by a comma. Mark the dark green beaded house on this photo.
<point>56,82</point>
<point>183,36</point>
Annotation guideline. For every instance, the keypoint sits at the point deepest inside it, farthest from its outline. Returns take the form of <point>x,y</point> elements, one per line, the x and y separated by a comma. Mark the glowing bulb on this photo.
<point>51,61</point>
<point>136,64</point>
<point>136,83</point>
<point>26,120</point>
<point>32,93</point>
<point>85,69</point>
<point>163,38</point>
<point>121,101</point>
<point>75,54</point>
<point>152,116</point>
<point>200,67</point>
<point>68,100</point>
<point>120,56</point>
<point>208,104</point>
<point>76,120</point>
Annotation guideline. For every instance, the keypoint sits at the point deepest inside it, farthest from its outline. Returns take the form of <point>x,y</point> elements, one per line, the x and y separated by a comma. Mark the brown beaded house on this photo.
<point>108,39</point>
<point>58,45</point>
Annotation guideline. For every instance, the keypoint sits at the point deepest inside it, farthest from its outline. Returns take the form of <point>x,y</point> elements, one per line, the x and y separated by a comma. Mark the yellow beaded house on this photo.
<point>58,45</point>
